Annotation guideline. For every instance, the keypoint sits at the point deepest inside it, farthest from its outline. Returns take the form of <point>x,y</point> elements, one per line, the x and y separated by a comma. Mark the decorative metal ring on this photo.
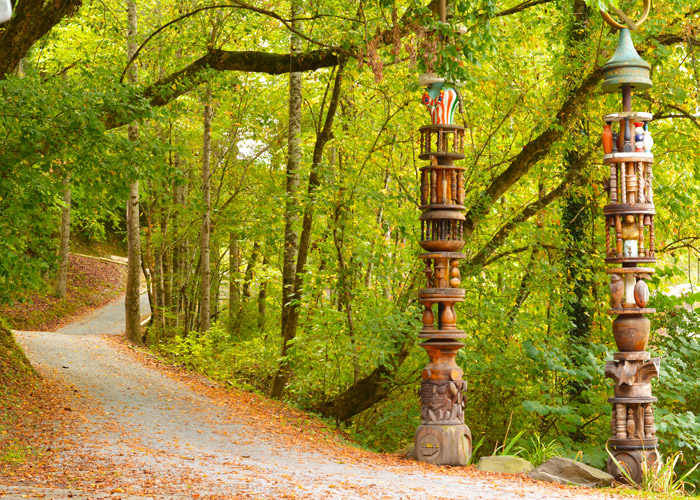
<point>645,12</point>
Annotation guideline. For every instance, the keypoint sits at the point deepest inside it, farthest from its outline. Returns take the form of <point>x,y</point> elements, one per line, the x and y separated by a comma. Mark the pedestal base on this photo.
<point>443,444</point>
<point>635,461</point>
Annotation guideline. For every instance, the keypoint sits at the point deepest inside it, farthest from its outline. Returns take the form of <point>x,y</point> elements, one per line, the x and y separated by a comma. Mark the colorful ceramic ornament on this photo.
<point>441,102</point>
<point>639,136</point>
<point>607,138</point>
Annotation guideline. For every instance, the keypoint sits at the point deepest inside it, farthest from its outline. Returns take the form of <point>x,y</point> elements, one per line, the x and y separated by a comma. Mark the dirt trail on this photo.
<point>147,432</point>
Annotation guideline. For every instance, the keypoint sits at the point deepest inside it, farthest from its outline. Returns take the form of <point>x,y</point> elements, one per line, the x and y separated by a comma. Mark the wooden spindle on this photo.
<point>444,185</point>
<point>618,235</point>
<point>631,184</point>
<point>649,431</point>
<point>631,423</point>
<point>460,188</point>
<point>613,183</point>
<point>621,414</point>
<point>433,186</point>
<point>623,183</point>
<point>453,194</point>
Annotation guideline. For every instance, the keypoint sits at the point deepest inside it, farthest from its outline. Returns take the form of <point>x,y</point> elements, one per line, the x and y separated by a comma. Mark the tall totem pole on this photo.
<point>629,242</point>
<point>442,438</point>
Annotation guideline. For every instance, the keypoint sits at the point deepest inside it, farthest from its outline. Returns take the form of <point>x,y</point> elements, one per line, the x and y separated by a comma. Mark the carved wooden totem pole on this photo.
<point>629,221</point>
<point>442,438</point>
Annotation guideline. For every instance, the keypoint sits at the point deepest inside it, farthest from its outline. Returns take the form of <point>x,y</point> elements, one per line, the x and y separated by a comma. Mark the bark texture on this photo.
<point>290,321</point>
<point>234,289</point>
<point>132,304</point>
<point>64,243</point>
<point>291,214</point>
<point>205,267</point>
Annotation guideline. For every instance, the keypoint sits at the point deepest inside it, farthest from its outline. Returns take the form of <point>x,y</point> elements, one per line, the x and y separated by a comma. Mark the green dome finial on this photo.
<point>626,67</point>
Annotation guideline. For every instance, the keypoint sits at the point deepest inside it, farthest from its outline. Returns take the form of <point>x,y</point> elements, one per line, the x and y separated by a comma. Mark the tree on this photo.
<point>132,300</point>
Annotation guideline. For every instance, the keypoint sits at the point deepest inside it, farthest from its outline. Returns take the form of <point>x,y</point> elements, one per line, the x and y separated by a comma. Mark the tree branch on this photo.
<point>533,151</point>
<point>572,176</point>
<point>521,7</point>
<point>173,86</point>
<point>32,20</point>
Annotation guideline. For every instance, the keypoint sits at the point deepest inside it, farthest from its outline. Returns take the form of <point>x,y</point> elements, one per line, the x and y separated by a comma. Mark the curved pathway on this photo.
<point>147,432</point>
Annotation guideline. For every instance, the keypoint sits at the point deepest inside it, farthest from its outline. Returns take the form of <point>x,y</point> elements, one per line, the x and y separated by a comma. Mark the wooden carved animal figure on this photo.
<point>441,102</point>
<point>617,290</point>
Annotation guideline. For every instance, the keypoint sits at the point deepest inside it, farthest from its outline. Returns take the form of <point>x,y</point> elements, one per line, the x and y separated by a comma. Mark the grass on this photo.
<point>660,477</point>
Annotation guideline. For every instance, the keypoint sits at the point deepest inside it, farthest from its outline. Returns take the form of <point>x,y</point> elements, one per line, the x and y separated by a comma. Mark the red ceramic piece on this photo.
<point>607,139</point>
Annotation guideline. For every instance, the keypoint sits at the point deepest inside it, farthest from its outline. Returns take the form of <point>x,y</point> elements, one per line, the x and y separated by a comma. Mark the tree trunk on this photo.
<point>216,278</point>
<point>179,250</point>
<point>345,281</point>
<point>262,298</point>
<point>234,290</point>
<point>205,265</point>
<point>292,303</point>
<point>575,221</point>
<point>249,269</point>
<point>166,260</point>
<point>291,215</point>
<point>132,304</point>
<point>380,219</point>
<point>365,392</point>
<point>64,244</point>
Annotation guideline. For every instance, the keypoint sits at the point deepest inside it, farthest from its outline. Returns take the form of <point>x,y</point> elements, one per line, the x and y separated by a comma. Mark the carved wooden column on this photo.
<point>442,438</point>
<point>629,224</point>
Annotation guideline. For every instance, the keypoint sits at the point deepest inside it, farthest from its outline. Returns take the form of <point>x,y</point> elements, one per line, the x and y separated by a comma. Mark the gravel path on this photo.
<point>153,433</point>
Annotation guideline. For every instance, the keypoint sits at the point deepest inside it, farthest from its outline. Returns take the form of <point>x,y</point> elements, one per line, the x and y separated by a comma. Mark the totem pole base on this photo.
<point>443,444</point>
<point>634,461</point>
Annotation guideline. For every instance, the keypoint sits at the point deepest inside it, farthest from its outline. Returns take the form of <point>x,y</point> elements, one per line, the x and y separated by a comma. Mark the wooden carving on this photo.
<point>442,437</point>
<point>630,214</point>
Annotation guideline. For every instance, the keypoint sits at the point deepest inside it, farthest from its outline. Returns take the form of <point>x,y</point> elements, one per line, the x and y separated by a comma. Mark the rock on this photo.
<point>566,471</point>
<point>505,464</point>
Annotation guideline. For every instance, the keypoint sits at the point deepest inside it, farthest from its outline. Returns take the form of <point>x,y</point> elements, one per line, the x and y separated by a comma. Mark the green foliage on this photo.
<point>508,444</point>
<point>248,364</point>
<point>50,129</point>
<point>678,414</point>
<point>537,451</point>
<point>661,476</point>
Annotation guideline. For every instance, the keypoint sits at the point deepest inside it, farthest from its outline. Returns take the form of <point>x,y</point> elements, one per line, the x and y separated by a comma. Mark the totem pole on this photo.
<point>442,438</point>
<point>629,242</point>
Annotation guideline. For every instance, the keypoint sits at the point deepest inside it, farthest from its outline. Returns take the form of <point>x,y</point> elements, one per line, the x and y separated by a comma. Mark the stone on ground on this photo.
<point>505,464</point>
<point>566,471</point>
